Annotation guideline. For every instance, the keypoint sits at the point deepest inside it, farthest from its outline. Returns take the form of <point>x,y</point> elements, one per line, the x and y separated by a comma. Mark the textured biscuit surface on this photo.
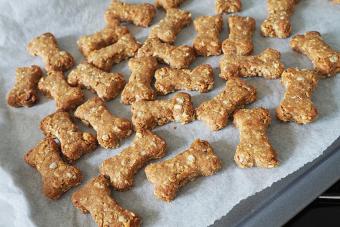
<point>47,48</point>
<point>95,198</point>
<point>106,57</point>
<point>168,28</point>
<point>74,143</point>
<point>57,176</point>
<point>208,28</point>
<point>168,4</point>
<point>121,168</point>
<point>139,85</point>
<point>149,114</point>
<point>25,90</point>
<point>228,6</point>
<point>254,148</point>
<point>170,175</point>
<point>110,129</point>
<point>178,57</point>
<point>199,79</point>
<point>326,60</point>
<point>240,40</point>
<point>55,86</point>
<point>277,24</point>
<point>267,64</point>
<point>215,112</point>
<point>297,103</point>
<point>138,14</point>
<point>106,85</point>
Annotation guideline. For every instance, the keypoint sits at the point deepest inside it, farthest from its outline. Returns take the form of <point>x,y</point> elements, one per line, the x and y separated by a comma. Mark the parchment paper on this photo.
<point>201,202</point>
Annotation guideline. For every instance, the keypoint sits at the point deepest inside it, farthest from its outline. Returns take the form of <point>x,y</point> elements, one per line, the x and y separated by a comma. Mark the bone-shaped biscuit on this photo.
<point>106,57</point>
<point>168,4</point>
<point>107,36</point>
<point>297,102</point>
<point>267,64</point>
<point>110,129</point>
<point>228,6</point>
<point>57,176</point>
<point>46,47</point>
<point>149,114</point>
<point>139,85</point>
<point>138,14</point>
<point>121,168</point>
<point>95,198</point>
<point>170,175</point>
<point>215,112</point>
<point>325,60</point>
<point>168,28</point>
<point>74,143</point>
<point>277,24</point>
<point>240,37</point>
<point>55,86</point>
<point>106,85</point>
<point>199,79</point>
<point>178,57</point>
<point>25,90</point>
<point>208,28</point>
<point>254,148</point>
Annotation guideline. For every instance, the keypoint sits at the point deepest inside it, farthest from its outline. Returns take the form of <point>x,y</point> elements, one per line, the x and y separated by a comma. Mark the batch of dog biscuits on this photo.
<point>114,44</point>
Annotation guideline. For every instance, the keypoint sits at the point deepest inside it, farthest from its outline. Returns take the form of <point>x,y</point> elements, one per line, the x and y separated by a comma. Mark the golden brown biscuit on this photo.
<point>266,64</point>
<point>170,175</point>
<point>297,103</point>
<point>106,85</point>
<point>215,112</point>
<point>325,60</point>
<point>46,47</point>
<point>110,129</point>
<point>95,198</point>
<point>25,90</point>
<point>149,114</point>
<point>168,4</point>
<point>55,86</point>
<point>122,168</point>
<point>254,148</point>
<point>199,79</point>
<point>57,176</point>
<point>228,6</point>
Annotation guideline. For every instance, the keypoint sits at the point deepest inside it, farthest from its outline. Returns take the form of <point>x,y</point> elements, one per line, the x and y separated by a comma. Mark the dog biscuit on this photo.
<point>199,79</point>
<point>106,85</point>
<point>25,90</point>
<point>326,60</point>
<point>168,28</point>
<point>168,4</point>
<point>106,57</point>
<point>46,47</point>
<point>228,6</point>
<point>149,114</point>
<point>57,176</point>
<point>121,168</point>
<point>74,143</point>
<point>240,40</point>
<point>277,24</point>
<point>95,198</point>
<point>297,103</point>
<point>207,41</point>
<point>215,112</point>
<point>55,86</point>
<point>107,36</point>
<point>254,148</point>
<point>138,14</point>
<point>139,85</point>
<point>178,57</point>
<point>267,64</point>
<point>170,175</point>
<point>110,129</point>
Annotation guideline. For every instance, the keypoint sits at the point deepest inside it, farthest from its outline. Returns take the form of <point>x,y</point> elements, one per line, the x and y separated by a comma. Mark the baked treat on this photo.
<point>168,4</point>
<point>228,6</point>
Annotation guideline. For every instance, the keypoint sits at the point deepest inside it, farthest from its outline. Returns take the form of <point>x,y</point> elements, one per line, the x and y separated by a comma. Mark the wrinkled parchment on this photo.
<point>201,202</point>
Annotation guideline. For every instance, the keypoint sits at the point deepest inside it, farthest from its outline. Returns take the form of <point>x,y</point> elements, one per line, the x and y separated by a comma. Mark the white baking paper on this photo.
<point>199,203</point>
